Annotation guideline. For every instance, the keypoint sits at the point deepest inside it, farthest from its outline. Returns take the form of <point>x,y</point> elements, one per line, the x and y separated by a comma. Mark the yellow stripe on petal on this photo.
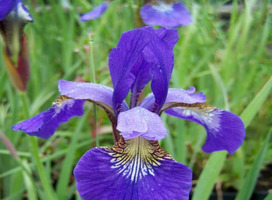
<point>133,169</point>
<point>137,157</point>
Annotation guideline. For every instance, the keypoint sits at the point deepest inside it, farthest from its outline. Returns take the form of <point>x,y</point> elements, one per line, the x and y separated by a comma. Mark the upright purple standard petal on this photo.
<point>123,58</point>
<point>169,36</point>
<point>142,75</point>
<point>5,7</point>
<point>133,170</point>
<point>45,124</point>
<point>142,55</point>
<point>95,13</point>
<point>225,130</point>
<point>164,14</point>
<point>162,58</point>
<point>141,122</point>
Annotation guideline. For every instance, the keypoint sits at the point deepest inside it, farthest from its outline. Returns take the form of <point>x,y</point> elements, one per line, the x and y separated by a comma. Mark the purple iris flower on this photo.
<point>16,6</point>
<point>13,17</point>
<point>136,167</point>
<point>95,13</point>
<point>166,14</point>
<point>5,8</point>
<point>157,12</point>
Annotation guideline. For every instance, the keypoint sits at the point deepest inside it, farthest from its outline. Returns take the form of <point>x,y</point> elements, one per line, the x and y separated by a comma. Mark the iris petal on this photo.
<point>5,7</point>
<point>163,60</point>
<point>86,91</point>
<point>96,93</point>
<point>45,124</point>
<point>142,53</point>
<point>142,74</point>
<point>168,15</point>
<point>123,58</point>
<point>134,170</point>
<point>225,130</point>
<point>175,96</point>
<point>139,121</point>
<point>160,53</point>
<point>169,36</point>
<point>95,13</point>
<point>14,10</point>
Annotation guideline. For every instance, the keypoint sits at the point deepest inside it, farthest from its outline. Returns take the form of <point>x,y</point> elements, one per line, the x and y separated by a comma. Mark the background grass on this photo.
<point>229,59</point>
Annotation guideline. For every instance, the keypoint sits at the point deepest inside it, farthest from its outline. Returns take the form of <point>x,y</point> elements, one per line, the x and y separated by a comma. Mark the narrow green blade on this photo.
<point>250,180</point>
<point>269,196</point>
<point>67,167</point>
<point>215,163</point>
<point>256,103</point>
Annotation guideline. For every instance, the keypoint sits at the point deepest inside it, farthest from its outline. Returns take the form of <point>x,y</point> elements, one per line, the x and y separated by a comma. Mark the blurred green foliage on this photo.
<point>228,59</point>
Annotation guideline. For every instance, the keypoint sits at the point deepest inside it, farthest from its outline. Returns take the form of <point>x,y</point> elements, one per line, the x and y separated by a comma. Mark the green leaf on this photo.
<point>215,163</point>
<point>256,103</point>
<point>269,196</point>
<point>31,189</point>
<point>250,181</point>
<point>68,162</point>
<point>209,175</point>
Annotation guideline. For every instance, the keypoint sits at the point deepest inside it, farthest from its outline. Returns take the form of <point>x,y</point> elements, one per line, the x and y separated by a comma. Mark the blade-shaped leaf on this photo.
<point>215,163</point>
<point>269,196</point>
<point>250,181</point>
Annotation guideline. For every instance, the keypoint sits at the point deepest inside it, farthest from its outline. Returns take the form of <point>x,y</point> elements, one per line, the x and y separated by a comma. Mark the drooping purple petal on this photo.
<point>87,91</point>
<point>185,96</point>
<point>136,169</point>
<point>5,7</point>
<point>174,96</point>
<point>95,13</point>
<point>225,130</point>
<point>96,93</point>
<point>45,124</point>
<point>140,122</point>
<point>168,15</point>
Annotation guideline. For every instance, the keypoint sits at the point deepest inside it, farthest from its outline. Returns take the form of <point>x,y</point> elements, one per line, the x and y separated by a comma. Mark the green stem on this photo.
<point>49,192</point>
<point>27,176</point>
<point>68,163</point>
<point>92,79</point>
